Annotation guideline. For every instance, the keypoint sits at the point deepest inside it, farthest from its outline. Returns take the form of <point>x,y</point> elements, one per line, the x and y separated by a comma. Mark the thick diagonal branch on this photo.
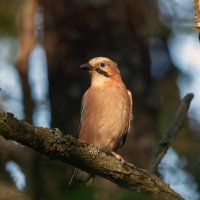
<point>55,145</point>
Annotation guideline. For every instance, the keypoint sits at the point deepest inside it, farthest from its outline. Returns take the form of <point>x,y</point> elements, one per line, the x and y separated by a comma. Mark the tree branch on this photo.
<point>55,145</point>
<point>197,14</point>
<point>177,123</point>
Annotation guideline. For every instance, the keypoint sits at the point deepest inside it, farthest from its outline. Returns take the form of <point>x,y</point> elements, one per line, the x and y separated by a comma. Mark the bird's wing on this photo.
<point>130,118</point>
<point>131,111</point>
<point>83,106</point>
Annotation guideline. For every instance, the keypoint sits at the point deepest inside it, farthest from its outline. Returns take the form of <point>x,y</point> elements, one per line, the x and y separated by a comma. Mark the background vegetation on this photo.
<point>42,45</point>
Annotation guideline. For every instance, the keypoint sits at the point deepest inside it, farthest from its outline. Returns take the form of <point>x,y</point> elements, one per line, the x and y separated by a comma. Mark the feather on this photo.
<point>106,110</point>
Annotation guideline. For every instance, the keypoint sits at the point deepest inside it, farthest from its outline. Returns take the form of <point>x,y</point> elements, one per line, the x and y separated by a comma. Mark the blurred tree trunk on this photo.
<point>76,31</point>
<point>27,42</point>
<point>27,36</point>
<point>9,150</point>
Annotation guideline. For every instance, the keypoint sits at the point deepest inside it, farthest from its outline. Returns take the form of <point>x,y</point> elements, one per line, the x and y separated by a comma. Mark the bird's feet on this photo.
<point>118,157</point>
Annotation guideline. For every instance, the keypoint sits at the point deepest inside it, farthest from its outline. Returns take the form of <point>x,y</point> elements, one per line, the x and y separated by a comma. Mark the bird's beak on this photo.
<point>86,66</point>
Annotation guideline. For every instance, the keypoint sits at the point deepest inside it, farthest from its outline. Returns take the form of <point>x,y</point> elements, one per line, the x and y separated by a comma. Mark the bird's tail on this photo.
<point>72,177</point>
<point>82,176</point>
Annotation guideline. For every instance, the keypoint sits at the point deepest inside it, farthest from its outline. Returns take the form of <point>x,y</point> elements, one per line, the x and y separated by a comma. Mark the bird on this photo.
<point>106,110</point>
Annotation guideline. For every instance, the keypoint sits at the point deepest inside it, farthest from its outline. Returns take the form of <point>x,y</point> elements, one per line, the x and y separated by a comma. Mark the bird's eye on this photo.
<point>102,64</point>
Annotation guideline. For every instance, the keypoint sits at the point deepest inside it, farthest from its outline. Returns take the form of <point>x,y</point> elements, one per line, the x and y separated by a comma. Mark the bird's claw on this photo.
<point>118,157</point>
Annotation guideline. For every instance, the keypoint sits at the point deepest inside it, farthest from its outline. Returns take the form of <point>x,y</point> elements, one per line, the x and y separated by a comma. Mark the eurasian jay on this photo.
<point>106,111</point>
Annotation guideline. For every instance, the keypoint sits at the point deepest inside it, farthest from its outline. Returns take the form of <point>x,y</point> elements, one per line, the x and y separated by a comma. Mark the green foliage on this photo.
<point>79,193</point>
<point>134,196</point>
<point>83,192</point>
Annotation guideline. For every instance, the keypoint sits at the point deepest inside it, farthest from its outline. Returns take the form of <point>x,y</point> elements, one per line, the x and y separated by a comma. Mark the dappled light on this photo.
<point>43,44</point>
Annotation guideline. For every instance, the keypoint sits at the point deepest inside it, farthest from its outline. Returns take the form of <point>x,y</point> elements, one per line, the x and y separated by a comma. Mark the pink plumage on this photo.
<point>106,112</point>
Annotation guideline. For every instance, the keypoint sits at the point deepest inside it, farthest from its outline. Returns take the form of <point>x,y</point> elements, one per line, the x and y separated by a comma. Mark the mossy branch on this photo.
<point>57,146</point>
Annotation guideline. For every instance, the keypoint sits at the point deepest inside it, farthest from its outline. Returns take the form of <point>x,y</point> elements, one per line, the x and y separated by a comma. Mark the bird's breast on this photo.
<point>105,117</point>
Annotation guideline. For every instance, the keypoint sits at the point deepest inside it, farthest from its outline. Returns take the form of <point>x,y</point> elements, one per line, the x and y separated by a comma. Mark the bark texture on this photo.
<point>56,145</point>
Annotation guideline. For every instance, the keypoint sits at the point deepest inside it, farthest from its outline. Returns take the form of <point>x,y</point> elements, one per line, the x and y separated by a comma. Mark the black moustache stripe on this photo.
<point>100,71</point>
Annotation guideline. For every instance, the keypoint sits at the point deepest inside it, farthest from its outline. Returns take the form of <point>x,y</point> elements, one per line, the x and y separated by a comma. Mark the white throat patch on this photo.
<point>98,79</point>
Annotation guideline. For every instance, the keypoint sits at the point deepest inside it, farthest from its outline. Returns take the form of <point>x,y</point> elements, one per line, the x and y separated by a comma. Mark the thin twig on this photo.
<point>176,124</point>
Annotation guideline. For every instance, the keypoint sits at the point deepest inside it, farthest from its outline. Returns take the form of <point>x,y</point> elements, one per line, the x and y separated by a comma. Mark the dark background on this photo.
<point>42,45</point>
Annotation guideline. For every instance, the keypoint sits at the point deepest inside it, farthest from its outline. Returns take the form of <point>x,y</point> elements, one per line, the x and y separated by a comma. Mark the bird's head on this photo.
<point>102,69</point>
